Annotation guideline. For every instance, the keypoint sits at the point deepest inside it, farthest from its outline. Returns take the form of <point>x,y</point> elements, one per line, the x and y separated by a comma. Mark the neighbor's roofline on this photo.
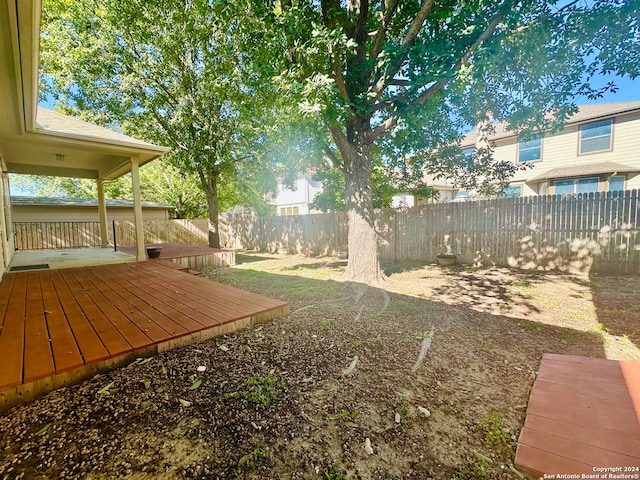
<point>35,201</point>
<point>469,139</point>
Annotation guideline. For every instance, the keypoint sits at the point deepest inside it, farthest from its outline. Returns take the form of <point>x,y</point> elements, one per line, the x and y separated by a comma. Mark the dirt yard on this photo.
<point>336,389</point>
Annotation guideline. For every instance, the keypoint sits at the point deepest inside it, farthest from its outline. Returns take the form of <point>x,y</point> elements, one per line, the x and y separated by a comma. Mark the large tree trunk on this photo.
<point>210,186</point>
<point>363,264</point>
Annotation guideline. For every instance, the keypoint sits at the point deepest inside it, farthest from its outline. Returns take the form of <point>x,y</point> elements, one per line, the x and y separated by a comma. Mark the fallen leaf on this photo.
<point>201,368</point>
<point>195,385</point>
<point>146,382</point>
<point>44,429</point>
<point>424,411</point>
<point>105,390</point>
<point>146,360</point>
<point>164,370</point>
<point>184,403</point>
<point>223,347</point>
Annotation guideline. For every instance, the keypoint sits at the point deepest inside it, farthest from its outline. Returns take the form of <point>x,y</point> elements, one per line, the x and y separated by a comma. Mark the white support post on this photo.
<point>102,211</point>
<point>137,210</point>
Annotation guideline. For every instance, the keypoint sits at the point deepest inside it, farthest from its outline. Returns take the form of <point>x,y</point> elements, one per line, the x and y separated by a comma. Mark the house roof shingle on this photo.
<point>52,122</point>
<point>79,202</point>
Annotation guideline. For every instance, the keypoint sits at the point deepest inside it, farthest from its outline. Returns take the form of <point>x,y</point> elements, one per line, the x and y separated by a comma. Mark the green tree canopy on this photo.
<point>403,78</point>
<point>173,72</point>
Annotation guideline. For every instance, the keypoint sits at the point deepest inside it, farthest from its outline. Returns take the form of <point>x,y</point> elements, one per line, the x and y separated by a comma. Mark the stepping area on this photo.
<point>583,419</point>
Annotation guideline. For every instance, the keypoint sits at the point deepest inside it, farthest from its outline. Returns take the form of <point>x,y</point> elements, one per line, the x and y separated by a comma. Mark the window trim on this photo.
<point>581,129</point>
<point>519,149</point>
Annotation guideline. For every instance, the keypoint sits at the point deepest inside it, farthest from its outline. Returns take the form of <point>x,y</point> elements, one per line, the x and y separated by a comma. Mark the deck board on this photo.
<point>113,328</point>
<point>89,343</point>
<point>66,355</point>
<point>38,358</point>
<point>112,295</point>
<point>153,312</point>
<point>12,335</point>
<point>582,413</point>
<point>58,325</point>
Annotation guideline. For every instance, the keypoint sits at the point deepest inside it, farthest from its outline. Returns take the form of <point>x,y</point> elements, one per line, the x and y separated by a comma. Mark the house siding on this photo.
<point>36,213</point>
<point>561,150</point>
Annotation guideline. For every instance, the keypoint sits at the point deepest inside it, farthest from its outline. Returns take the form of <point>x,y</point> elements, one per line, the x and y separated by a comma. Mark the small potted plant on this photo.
<point>446,259</point>
<point>154,252</point>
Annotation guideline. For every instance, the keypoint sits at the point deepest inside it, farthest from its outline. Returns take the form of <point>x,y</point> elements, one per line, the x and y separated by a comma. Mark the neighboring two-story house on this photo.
<point>297,201</point>
<point>597,151</point>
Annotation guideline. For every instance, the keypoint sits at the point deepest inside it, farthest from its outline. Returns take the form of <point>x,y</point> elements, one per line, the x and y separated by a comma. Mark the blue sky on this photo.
<point>628,90</point>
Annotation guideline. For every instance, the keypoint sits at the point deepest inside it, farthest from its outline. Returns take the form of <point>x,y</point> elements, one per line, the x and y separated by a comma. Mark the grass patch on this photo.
<point>495,432</point>
<point>345,418</point>
<point>260,389</point>
<point>529,326</point>
<point>333,473</point>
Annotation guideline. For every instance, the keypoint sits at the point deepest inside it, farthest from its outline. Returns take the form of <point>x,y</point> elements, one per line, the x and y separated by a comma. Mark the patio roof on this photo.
<point>584,170</point>
<point>38,141</point>
<point>17,200</point>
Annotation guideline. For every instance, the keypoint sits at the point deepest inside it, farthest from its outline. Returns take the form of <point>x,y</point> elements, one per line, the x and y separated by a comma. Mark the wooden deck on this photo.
<point>583,415</point>
<point>195,257</point>
<point>59,326</point>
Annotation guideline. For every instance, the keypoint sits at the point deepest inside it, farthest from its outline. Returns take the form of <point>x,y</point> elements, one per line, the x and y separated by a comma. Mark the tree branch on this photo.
<point>167,131</point>
<point>340,138</point>
<point>440,84</point>
<point>336,65</point>
<point>392,121</point>
<point>332,157</point>
<point>417,23</point>
<point>382,31</point>
<point>383,82</point>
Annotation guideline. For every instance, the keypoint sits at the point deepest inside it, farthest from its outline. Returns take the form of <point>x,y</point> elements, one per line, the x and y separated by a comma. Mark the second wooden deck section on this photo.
<point>57,325</point>
<point>583,418</point>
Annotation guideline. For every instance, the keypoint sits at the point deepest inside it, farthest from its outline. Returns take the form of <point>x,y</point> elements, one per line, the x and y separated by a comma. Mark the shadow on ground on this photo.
<point>310,395</point>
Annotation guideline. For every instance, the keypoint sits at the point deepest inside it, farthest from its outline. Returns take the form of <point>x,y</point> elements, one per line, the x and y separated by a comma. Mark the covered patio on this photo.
<point>60,326</point>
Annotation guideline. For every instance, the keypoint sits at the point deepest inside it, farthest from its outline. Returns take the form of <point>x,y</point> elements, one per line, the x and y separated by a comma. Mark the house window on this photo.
<point>616,183</point>
<point>576,185</point>
<point>289,211</point>
<point>512,191</point>
<point>469,154</point>
<point>530,151</point>
<point>595,137</point>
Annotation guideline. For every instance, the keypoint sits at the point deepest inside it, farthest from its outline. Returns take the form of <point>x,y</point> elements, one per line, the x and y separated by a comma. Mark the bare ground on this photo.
<point>336,389</point>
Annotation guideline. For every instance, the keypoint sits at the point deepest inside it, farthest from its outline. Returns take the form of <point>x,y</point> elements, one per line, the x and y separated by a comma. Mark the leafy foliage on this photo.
<point>174,73</point>
<point>400,80</point>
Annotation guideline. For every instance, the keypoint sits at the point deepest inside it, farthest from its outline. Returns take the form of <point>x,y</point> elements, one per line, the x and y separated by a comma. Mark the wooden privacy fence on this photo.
<point>597,231</point>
